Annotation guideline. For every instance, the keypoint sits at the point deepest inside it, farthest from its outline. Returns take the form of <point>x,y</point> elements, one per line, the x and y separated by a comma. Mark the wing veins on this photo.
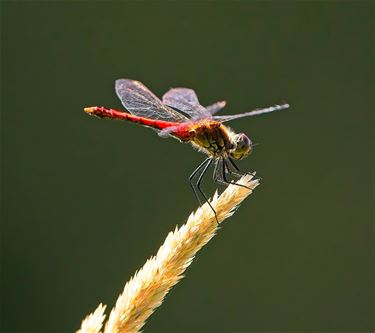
<point>139,100</point>
<point>255,112</point>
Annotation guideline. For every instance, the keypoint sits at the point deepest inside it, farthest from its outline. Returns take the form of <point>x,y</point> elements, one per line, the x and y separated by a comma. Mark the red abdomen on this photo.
<point>102,112</point>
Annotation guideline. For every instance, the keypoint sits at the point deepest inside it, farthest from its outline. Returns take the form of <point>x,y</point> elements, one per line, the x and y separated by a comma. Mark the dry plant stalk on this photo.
<point>147,288</point>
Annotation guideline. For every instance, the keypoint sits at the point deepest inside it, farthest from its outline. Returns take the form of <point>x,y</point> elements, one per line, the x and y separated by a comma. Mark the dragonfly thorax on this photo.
<point>217,140</point>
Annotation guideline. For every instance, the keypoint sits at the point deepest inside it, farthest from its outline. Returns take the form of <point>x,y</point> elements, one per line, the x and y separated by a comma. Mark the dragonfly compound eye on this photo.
<point>243,146</point>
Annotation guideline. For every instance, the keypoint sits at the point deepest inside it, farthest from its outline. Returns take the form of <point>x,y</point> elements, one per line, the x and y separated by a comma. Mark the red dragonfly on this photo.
<point>180,115</point>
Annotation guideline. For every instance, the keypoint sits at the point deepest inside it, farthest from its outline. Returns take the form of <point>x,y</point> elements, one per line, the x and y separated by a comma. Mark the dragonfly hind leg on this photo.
<point>200,171</point>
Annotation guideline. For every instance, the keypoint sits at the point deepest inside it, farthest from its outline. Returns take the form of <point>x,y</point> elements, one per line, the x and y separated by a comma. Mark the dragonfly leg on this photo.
<point>195,172</point>
<point>218,173</point>
<point>237,172</point>
<point>198,184</point>
<point>201,170</point>
<point>221,174</point>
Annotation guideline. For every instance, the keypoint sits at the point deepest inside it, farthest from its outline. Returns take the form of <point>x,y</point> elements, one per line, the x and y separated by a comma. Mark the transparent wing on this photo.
<point>138,100</point>
<point>251,113</point>
<point>213,108</point>
<point>185,100</point>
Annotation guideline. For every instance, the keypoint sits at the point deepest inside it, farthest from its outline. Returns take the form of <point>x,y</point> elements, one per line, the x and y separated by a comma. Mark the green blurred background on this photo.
<point>86,201</point>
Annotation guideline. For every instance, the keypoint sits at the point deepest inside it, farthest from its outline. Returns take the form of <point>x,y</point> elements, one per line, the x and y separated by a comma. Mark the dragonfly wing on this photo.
<point>251,113</point>
<point>213,108</point>
<point>139,100</point>
<point>185,100</point>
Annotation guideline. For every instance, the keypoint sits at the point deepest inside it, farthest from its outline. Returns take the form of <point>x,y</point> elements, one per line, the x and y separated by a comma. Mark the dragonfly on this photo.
<point>180,115</point>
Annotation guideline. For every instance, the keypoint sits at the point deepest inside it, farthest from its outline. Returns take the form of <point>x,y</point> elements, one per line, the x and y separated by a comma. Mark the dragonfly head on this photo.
<point>242,146</point>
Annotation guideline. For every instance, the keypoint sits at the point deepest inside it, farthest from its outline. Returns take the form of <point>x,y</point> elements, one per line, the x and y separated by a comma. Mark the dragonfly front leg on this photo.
<point>236,172</point>
<point>220,174</point>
